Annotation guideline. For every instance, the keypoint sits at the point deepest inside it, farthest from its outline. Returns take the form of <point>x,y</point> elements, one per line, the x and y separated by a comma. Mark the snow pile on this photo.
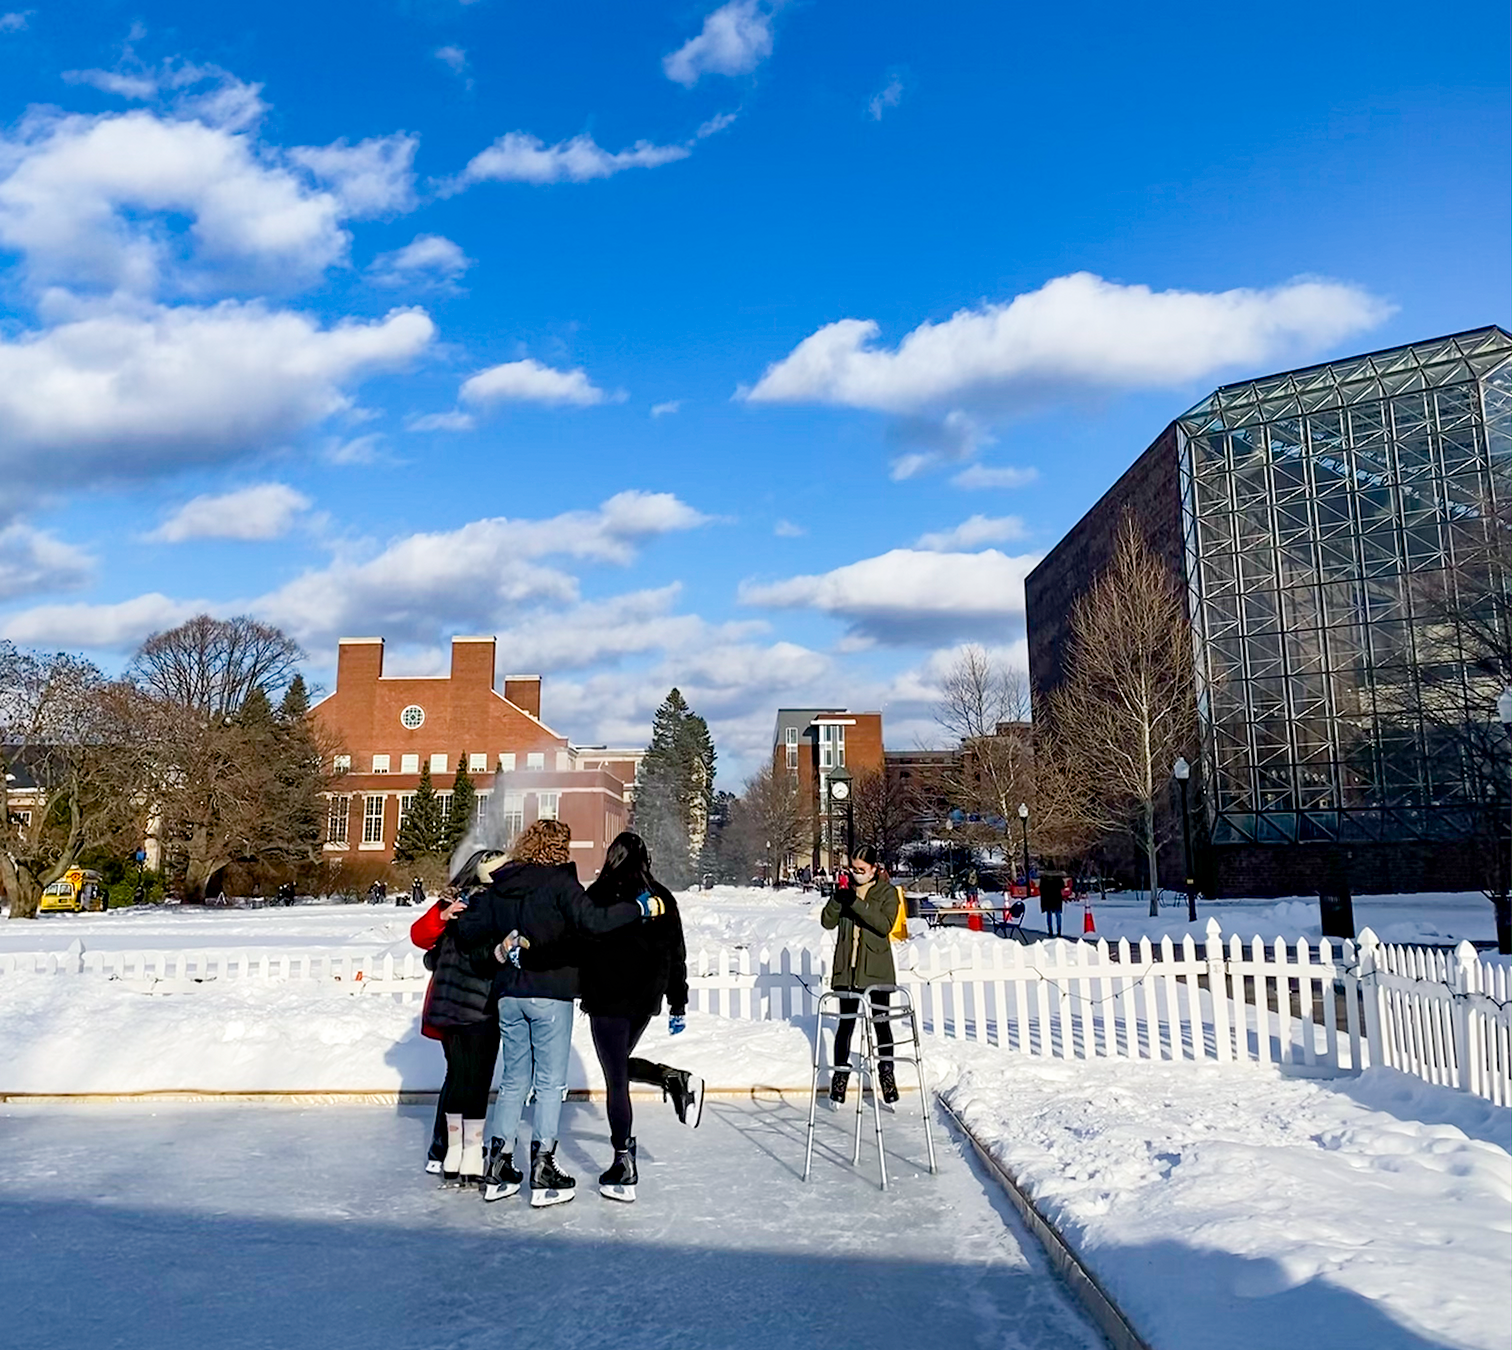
<point>1221,1205</point>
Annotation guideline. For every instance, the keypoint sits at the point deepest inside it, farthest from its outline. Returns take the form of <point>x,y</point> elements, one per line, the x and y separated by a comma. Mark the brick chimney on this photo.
<point>359,661</point>
<point>472,661</point>
<point>524,691</point>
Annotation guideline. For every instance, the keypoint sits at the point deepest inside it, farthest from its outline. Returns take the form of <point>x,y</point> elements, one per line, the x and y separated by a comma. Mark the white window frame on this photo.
<point>409,763</point>
<point>372,822</point>
<point>380,763</point>
<point>341,764</point>
<point>477,762</point>
<point>535,761</point>
<point>438,764</point>
<point>548,805</point>
<point>506,763</point>
<point>339,821</point>
<point>480,813</point>
<point>792,747</point>
<point>514,814</point>
<point>445,798</point>
<point>406,804</point>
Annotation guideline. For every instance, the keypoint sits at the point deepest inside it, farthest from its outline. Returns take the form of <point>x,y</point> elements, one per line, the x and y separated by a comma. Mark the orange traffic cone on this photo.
<point>1088,926</point>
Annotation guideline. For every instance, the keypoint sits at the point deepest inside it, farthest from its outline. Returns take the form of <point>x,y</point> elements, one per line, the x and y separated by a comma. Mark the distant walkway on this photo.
<point>174,1229</point>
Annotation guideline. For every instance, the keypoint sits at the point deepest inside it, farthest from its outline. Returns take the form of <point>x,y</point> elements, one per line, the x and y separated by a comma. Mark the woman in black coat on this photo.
<point>625,976</point>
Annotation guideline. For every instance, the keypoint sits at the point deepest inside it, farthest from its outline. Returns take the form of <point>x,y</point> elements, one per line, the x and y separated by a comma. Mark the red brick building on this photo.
<point>389,726</point>
<point>808,745</point>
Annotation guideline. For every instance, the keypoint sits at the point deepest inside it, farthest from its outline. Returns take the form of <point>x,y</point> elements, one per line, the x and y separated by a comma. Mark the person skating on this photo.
<point>461,1012</point>
<point>864,914</point>
<point>536,893</point>
<point>625,975</point>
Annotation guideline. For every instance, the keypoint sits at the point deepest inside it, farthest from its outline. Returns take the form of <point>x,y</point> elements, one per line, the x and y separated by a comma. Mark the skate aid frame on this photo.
<point>831,1006</point>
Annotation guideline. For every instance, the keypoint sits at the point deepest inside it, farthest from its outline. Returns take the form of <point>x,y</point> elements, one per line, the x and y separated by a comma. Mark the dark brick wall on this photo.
<point>1235,871</point>
<point>1151,489</point>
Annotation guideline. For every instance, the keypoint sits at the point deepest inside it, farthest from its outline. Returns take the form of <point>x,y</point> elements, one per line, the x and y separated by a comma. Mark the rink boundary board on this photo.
<point>1075,1274</point>
<point>338,1097</point>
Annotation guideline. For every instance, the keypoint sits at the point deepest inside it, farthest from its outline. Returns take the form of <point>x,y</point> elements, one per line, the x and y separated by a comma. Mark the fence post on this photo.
<point>1463,981</point>
<point>1218,992</point>
<point>75,957</point>
<point>1369,955</point>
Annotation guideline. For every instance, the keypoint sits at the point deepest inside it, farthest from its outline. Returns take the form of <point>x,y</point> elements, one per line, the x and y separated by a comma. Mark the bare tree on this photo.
<point>232,779</point>
<point>1125,710</point>
<point>984,707</point>
<point>61,725</point>
<point>886,812</point>
<point>768,821</point>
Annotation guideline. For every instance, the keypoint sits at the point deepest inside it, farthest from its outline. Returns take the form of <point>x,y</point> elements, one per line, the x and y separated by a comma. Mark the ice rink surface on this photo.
<point>274,1227</point>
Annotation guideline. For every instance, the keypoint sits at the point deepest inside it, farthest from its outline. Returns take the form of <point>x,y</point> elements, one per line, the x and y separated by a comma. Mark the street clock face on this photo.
<point>840,790</point>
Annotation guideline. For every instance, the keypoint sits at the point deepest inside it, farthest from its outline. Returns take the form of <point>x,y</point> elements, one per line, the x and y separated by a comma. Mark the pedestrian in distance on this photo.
<point>536,895</point>
<point>863,914</point>
<point>625,976</point>
<point>461,1011</point>
<point>1052,899</point>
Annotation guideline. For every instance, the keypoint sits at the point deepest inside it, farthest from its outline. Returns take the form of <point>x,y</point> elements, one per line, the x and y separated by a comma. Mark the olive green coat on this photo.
<point>863,950</point>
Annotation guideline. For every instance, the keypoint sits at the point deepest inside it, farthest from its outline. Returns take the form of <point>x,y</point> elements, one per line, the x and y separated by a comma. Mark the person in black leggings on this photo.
<point>624,976</point>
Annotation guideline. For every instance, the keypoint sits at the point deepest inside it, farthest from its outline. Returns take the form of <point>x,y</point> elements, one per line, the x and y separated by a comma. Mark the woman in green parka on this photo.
<point>864,914</point>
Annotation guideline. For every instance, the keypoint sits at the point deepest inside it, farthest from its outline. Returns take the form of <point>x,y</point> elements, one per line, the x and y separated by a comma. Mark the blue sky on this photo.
<point>756,348</point>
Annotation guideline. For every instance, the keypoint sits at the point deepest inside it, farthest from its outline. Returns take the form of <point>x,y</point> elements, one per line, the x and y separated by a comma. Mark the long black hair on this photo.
<point>627,867</point>
<point>868,853</point>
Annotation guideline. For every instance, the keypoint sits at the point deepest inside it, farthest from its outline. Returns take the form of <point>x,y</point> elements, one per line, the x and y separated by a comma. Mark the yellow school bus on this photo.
<point>77,889</point>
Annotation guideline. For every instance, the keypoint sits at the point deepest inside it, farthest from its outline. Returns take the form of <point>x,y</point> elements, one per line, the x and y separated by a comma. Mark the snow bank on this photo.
<point>1222,1205</point>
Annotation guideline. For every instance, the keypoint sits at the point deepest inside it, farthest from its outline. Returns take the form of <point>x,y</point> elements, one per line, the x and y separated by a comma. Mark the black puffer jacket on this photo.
<point>547,905</point>
<point>458,996</point>
<point>628,972</point>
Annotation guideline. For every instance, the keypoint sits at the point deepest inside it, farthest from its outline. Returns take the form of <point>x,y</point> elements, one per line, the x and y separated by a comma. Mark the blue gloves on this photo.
<point>677,1024</point>
<point>651,906</point>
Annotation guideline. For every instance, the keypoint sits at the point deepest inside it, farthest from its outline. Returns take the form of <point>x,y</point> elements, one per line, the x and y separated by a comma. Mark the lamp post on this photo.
<point>840,795</point>
<point>1024,826</point>
<point>1182,772</point>
<point>1503,901</point>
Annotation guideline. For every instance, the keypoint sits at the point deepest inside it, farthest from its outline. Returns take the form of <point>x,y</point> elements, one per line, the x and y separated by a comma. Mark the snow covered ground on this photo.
<point>1241,1209</point>
<point>240,1229</point>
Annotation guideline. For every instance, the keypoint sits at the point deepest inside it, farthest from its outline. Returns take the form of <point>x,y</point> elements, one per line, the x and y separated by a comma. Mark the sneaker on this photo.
<point>549,1185</point>
<point>838,1079</point>
<point>501,1178</point>
<point>619,1182</point>
<point>887,1082</point>
<point>687,1093</point>
<point>433,1167</point>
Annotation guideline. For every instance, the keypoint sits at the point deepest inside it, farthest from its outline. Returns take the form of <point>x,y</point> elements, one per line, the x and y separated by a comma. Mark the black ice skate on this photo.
<point>838,1079</point>
<point>501,1178</point>
<point>548,1184</point>
<point>618,1183</point>
<point>887,1082</point>
<point>687,1093</point>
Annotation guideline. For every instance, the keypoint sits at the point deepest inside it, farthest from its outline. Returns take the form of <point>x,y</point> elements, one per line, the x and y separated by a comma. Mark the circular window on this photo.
<point>413,716</point>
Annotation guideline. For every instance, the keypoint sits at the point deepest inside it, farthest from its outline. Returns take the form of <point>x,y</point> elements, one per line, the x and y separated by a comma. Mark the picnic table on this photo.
<point>1002,918</point>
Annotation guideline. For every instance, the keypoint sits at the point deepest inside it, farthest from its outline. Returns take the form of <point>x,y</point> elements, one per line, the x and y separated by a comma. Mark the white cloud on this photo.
<point>983,476</point>
<point>888,97</point>
<point>666,409</point>
<point>442,421</point>
<point>84,201</point>
<point>453,58</point>
<point>910,596</point>
<point>427,258</point>
<point>111,627</point>
<point>15,21</point>
<point>529,381</point>
<point>735,38</point>
<point>32,560</point>
<point>128,395</point>
<point>973,533</point>
<point>1077,331</point>
<point>137,87</point>
<point>358,450</point>
<point>265,511</point>
<point>372,178</point>
<point>786,529</point>
<point>517,157</point>
<point>933,441</point>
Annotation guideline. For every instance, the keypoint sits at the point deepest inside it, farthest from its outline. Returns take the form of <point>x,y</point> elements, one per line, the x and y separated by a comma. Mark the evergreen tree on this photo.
<point>421,836</point>
<point>296,701</point>
<point>464,808</point>
<point>674,801</point>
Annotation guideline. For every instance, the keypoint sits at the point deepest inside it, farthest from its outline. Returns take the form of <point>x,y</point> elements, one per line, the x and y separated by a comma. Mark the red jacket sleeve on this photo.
<point>426,931</point>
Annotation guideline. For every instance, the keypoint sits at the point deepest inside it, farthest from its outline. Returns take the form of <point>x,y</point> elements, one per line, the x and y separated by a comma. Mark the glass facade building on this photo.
<point>1344,530</point>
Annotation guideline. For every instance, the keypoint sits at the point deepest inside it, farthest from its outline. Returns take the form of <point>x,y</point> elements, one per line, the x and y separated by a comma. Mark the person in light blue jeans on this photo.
<point>536,1036</point>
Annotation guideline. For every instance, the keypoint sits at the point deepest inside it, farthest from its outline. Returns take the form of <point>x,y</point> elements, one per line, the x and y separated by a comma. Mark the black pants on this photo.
<point>470,1055</point>
<point>614,1038</point>
<point>847,1025</point>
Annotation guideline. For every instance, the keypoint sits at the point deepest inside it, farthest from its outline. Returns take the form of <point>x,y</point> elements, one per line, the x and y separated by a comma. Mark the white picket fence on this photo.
<point>1314,1009</point>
